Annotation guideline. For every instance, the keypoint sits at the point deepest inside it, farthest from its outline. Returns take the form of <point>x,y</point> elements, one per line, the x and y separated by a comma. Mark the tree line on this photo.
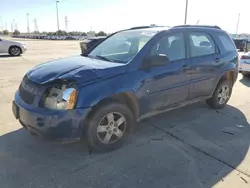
<point>59,33</point>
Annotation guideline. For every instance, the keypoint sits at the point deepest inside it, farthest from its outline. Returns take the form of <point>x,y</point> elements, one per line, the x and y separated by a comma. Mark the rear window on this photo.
<point>228,44</point>
<point>201,44</point>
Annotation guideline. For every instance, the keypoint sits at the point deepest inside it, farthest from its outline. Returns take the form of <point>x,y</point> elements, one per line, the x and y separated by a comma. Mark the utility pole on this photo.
<point>58,28</point>
<point>28,24</point>
<point>237,26</point>
<point>185,21</point>
<point>6,26</point>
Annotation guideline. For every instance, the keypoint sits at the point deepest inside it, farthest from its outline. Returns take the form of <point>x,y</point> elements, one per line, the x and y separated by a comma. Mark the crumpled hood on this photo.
<point>78,68</point>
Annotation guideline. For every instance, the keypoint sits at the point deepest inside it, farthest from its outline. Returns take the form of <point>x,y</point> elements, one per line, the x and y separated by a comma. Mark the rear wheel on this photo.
<point>221,95</point>
<point>15,51</point>
<point>109,126</point>
<point>245,74</point>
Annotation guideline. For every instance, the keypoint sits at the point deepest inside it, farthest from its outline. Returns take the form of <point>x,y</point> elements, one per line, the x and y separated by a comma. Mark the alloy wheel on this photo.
<point>15,51</point>
<point>224,94</point>
<point>111,128</point>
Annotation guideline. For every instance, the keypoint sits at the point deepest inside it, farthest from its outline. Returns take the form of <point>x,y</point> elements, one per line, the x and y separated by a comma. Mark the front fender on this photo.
<point>91,94</point>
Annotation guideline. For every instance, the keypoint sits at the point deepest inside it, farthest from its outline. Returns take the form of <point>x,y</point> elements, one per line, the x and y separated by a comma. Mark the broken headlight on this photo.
<point>59,97</point>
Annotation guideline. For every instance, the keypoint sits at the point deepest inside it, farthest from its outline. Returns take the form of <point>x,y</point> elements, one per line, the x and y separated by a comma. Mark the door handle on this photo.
<point>185,67</point>
<point>217,60</point>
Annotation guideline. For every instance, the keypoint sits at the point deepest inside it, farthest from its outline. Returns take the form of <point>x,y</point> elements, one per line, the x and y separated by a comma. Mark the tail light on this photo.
<point>245,57</point>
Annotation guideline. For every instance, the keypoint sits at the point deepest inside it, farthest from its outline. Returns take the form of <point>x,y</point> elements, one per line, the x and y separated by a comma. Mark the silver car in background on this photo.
<point>11,47</point>
<point>244,65</point>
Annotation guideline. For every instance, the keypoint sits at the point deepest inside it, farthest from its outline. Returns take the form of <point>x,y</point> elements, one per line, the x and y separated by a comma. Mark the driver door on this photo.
<point>168,85</point>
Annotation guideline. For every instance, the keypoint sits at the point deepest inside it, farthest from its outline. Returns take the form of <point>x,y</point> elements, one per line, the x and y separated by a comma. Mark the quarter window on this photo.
<point>227,43</point>
<point>201,44</point>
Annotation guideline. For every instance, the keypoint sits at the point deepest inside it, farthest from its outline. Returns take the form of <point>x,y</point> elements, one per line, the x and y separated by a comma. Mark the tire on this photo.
<point>245,74</point>
<point>215,101</point>
<point>15,51</point>
<point>101,132</point>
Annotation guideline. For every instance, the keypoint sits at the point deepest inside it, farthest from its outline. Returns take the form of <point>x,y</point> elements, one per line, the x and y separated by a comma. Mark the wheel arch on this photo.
<point>230,75</point>
<point>126,98</point>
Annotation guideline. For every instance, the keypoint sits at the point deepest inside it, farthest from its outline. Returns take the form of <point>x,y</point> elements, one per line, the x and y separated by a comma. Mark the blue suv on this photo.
<point>130,75</point>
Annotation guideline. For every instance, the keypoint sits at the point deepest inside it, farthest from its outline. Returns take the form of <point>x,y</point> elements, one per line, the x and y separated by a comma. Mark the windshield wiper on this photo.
<point>103,58</point>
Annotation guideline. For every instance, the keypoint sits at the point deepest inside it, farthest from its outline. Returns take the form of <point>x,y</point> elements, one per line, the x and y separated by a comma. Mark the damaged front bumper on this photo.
<point>55,125</point>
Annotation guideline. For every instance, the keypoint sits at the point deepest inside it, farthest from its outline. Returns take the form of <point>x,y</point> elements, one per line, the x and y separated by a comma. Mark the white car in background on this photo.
<point>244,65</point>
<point>11,47</point>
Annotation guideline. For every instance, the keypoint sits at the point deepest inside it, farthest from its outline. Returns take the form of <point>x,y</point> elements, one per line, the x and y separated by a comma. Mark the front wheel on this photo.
<point>221,95</point>
<point>15,51</point>
<point>108,126</point>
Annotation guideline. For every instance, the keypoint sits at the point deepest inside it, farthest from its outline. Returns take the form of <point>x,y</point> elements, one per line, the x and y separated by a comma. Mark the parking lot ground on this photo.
<point>186,148</point>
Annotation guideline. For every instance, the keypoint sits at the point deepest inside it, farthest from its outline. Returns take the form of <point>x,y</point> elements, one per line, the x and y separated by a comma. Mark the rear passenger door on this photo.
<point>204,57</point>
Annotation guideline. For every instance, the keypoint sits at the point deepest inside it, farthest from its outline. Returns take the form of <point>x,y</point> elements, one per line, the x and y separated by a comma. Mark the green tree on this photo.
<point>101,33</point>
<point>51,33</point>
<point>16,32</point>
<point>5,32</point>
<point>83,34</point>
<point>60,32</point>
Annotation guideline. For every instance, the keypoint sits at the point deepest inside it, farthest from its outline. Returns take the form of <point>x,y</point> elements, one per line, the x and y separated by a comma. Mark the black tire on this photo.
<point>100,114</point>
<point>213,102</point>
<point>245,74</point>
<point>15,51</point>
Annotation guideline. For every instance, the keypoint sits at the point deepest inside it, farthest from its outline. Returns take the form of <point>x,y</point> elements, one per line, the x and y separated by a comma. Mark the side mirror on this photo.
<point>155,60</point>
<point>87,44</point>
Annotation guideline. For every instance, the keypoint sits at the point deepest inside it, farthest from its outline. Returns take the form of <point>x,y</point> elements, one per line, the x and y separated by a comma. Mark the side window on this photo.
<point>201,44</point>
<point>173,46</point>
<point>227,43</point>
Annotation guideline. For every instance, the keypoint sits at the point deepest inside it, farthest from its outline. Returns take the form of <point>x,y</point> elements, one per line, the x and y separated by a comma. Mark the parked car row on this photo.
<point>52,37</point>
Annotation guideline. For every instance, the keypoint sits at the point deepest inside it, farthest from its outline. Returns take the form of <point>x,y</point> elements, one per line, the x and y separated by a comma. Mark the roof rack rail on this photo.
<point>146,27</point>
<point>140,27</point>
<point>207,26</point>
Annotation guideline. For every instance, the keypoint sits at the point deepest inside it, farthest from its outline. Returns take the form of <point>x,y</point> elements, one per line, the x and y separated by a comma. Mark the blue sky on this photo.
<point>112,15</point>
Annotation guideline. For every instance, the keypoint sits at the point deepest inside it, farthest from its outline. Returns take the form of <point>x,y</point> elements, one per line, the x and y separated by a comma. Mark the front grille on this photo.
<point>28,90</point>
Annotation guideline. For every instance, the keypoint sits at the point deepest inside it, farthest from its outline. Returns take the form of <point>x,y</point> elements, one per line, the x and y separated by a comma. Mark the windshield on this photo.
<point>122,46</point>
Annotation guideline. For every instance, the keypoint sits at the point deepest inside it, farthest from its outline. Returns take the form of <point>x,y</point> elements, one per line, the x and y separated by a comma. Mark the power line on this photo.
<point>66,23</point>
<point>35,25</point>
<point>13,25</point>
<point>28,24</point>
<point>16,26</point>
<point>1,23</point>
<point>237,26</point>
